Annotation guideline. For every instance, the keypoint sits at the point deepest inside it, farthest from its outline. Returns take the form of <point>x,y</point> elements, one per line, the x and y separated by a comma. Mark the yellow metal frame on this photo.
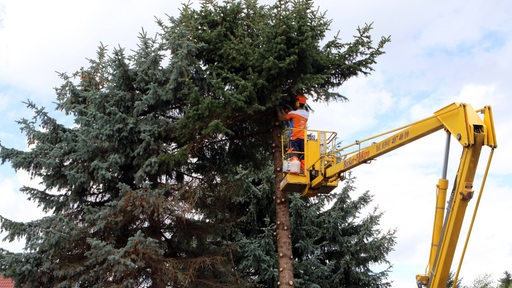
<point>325,165</point>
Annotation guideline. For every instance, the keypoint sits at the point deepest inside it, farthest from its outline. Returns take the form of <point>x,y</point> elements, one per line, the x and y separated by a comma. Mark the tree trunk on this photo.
<point>283,234</point>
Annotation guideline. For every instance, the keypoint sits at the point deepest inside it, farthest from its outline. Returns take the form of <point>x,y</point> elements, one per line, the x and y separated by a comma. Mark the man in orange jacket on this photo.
<point>298,121</point>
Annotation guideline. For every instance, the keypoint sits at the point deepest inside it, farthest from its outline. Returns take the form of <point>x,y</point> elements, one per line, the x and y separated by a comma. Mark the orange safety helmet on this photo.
<point>301,99</point>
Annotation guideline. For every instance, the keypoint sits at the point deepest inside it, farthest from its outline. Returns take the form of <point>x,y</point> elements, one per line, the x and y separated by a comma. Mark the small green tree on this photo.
<point>506,281</point>
<point>482,281</point>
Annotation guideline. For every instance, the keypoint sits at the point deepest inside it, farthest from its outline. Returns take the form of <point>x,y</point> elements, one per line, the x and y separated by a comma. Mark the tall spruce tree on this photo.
<point>168,175</point>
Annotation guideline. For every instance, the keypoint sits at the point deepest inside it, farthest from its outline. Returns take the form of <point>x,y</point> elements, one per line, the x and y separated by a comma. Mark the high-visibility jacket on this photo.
<point>298,120</point>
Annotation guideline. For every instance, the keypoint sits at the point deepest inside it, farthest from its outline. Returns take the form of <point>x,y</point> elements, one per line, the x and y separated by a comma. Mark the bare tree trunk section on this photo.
<point>283,234</point>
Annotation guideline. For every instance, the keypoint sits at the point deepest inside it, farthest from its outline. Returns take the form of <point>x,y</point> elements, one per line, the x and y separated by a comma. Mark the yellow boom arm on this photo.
<point>461,120</point>
<point>325,165</point>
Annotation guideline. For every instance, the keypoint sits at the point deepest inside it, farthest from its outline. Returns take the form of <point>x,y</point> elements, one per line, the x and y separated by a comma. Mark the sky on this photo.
<point>440,52</point>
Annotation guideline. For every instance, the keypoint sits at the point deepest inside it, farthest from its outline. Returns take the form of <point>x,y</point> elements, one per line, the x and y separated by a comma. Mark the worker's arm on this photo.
<point>282,115</point>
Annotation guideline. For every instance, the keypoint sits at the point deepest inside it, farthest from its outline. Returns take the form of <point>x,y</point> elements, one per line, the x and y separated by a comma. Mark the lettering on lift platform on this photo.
<point>392,141</point>
<point>361,156</point>
<point>364,155</point>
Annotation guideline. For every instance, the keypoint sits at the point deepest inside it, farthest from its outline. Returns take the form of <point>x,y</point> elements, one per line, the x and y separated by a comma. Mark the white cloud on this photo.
<point>348,119</point>
<point>42,37</point>
<point>477,94</point>
<point>15,203</point>
<point>15,206</point>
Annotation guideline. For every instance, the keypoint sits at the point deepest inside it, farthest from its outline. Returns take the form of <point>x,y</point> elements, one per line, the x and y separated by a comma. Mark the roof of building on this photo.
<point>6,282</point>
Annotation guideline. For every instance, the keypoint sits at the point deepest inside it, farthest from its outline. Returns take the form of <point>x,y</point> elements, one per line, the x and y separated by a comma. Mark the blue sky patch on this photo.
<point>490,41</point>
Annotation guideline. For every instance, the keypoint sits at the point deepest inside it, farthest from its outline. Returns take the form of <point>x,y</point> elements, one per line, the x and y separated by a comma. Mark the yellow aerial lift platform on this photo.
<point>325,165</point>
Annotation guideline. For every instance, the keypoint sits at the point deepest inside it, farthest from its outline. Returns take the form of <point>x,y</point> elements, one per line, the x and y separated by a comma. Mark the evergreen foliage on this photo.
<point>451,280</point>
<point>337,247</point>
<point>165,180</point>
<point>506,280</point>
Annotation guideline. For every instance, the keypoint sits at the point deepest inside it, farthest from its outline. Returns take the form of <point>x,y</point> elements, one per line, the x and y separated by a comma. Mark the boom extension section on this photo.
<point>325,165</point>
